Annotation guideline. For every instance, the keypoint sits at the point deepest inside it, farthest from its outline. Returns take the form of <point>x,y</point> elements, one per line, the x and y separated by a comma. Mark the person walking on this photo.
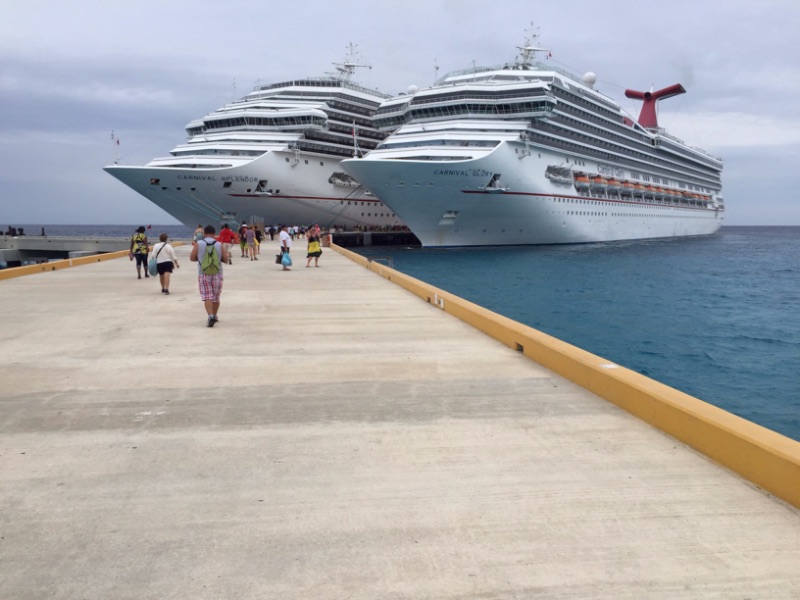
<point>226,237</point>
<point>165,261</point>
<point>139,250</point>
<point>250,236</point>
<point>314,248</point>
<point>286,243</point>
<point>242,238</point>
<point>259,238</point>
<point>209,254</point>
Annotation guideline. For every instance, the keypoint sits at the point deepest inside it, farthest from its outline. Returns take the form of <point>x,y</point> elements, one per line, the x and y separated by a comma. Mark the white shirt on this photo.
<point>286,239</point>
<point>165,255</point>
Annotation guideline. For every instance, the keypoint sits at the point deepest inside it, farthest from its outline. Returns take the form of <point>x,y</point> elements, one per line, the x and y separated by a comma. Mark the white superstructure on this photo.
<point>273,157</point>
<point>527,153</point>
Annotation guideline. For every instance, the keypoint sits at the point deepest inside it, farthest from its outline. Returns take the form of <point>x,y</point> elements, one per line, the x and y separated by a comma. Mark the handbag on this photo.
<point>286,260</point>
<point>277,259</point>
<point>152,266</point>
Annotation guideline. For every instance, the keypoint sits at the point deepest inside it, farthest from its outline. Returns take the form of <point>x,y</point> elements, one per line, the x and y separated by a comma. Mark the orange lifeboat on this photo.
<point>599,182</point>
<point>581,181</point>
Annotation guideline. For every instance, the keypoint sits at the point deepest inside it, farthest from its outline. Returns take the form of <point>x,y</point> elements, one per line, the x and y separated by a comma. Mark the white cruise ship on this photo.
<point>273,157</point>
<point>527,153</point>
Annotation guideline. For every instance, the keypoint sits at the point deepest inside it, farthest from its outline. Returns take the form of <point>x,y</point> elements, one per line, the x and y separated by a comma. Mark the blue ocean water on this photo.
<point>717,317</point>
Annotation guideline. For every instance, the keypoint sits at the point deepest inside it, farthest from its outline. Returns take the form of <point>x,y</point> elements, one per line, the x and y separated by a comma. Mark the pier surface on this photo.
<point>336,437</point>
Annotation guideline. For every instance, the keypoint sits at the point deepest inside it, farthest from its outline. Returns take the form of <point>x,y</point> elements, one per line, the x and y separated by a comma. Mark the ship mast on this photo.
<point>349,66</point>
<point>527,52</point>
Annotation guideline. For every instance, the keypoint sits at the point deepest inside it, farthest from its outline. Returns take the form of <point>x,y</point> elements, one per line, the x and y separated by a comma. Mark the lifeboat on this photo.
<point>599,182</point>
<point>650,189</point>
<point>638,187</point>
<point>581,181</point>
<point>627,187</point>
<point>614,184</point>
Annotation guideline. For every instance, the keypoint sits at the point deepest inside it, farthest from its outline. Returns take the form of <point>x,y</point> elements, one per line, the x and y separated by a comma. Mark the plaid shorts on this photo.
<point>210,287</point>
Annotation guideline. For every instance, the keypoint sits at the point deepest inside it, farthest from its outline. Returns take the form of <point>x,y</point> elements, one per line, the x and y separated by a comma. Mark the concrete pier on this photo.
<point>336,437</point>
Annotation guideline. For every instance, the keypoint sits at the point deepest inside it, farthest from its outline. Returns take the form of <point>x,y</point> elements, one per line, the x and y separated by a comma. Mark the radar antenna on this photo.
<point>527,52</point>
<point>348,67</point>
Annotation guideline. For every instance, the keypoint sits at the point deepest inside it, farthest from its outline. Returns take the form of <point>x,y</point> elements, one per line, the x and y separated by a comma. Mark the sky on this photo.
<point>72,72</point>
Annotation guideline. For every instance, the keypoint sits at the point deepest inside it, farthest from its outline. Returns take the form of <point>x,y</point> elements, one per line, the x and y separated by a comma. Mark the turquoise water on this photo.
<point>717,317</point>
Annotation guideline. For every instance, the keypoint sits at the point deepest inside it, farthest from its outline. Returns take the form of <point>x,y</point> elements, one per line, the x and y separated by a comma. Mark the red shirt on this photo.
<point>225,236</point>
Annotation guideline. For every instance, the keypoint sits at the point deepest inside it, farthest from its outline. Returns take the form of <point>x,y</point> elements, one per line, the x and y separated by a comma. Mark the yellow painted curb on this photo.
<point>64,264</point>
<point>764,457</point>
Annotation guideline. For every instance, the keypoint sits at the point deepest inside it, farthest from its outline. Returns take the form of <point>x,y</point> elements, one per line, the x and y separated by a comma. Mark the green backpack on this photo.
<point>210,264</point>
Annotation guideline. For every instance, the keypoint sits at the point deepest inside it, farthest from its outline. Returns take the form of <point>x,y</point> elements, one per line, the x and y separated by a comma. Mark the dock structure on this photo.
<point>334,436</point>
<point>16,250</point>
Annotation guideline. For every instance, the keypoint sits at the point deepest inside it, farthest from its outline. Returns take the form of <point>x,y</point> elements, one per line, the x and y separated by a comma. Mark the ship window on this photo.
<point>287,159</point>
<point>155,181</point>
<point>306,162</point>
<point>227,184</point>
<point>321,164</point>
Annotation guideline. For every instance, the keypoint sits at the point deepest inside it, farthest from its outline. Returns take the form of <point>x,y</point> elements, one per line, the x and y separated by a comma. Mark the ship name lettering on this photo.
<point>463,172</point>
<point>240,178</point>
<point>610,171</point>
<point>197,177</point>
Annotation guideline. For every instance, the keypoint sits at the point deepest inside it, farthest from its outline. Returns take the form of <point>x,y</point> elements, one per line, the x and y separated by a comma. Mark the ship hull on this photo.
<point>277,187</point>
<point>448,204</point>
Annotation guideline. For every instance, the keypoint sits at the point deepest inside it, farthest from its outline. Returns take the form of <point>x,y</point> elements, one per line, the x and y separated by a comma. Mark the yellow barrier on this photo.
<point>56,265</point>
<point>765,457</point>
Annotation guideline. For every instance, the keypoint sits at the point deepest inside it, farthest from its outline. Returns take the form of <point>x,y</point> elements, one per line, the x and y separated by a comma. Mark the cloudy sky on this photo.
<point>73,71</point>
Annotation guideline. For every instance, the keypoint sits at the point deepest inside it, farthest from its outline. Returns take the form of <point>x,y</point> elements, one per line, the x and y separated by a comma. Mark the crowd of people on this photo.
<point>211,250</point>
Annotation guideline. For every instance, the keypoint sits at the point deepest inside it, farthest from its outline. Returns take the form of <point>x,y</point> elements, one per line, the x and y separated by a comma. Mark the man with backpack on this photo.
<point>209,254</point>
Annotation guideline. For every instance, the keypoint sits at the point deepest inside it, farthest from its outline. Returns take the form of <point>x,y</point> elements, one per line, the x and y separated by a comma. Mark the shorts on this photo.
<point>165,267</point>
<point>210,287</point>
<point>141,259</point>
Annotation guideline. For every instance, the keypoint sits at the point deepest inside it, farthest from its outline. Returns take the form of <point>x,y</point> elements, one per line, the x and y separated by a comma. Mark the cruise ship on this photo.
<point>528,153</point>
<point>273,157</point>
